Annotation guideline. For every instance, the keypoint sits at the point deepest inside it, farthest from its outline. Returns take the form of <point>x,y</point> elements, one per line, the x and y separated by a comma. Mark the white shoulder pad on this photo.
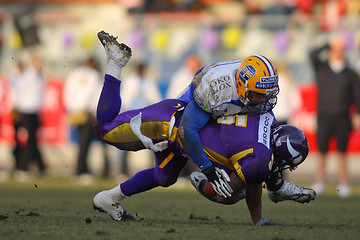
<point>215,87</point>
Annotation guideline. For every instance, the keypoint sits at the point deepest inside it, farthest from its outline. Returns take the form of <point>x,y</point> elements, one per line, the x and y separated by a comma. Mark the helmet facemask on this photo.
<point>260,103</point>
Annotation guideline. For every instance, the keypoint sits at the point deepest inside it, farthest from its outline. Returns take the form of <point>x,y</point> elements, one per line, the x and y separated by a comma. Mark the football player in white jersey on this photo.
<point>225,88</point>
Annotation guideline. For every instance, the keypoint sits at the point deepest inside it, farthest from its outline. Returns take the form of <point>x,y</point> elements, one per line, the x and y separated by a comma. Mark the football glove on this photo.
<point>219,180</point>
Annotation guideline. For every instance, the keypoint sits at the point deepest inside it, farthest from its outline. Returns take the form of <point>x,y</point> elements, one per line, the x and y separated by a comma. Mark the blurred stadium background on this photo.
<point>163,33</point>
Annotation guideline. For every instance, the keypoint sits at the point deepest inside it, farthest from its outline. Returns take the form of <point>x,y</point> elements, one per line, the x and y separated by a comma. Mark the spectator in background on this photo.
<point>138,91</point>
<point>183,77</point>
<point>82,87</point>
<point>18,69</point>
<point>338,88</point>
<point>28,101</point>
<point>288,97</point>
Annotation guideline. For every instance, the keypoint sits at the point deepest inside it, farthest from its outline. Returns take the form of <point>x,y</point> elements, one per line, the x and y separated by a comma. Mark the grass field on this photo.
<point>60,209</point>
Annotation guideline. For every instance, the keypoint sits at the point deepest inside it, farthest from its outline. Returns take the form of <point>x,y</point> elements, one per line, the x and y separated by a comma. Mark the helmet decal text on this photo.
<point>267,82</point>
<point>264,131</point>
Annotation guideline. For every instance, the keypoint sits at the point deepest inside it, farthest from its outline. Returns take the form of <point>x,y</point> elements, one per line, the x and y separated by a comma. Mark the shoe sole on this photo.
<point>124,217</point>
<point>310,197</point>
<point>105,38</point>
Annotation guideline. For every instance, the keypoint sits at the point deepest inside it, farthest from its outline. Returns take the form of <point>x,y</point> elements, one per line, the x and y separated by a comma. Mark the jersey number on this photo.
<point>239,120</point>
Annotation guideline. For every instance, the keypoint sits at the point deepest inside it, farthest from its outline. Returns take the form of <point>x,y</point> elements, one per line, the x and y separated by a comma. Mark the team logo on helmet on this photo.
<point>295,154</point>
<point>246,73</point>
<point>290,145</point>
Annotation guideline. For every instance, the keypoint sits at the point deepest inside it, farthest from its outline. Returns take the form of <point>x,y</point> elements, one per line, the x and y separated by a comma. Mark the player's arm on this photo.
<point>253,201</point>
<point>193,120</point>
<point>315,55</point>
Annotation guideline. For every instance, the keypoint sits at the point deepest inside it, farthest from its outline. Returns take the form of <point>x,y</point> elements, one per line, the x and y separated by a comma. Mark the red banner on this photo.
<point>53,115</point>
<point>6,123</point>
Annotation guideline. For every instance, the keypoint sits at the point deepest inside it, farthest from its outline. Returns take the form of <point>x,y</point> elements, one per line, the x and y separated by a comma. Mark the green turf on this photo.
<point>59,209</point>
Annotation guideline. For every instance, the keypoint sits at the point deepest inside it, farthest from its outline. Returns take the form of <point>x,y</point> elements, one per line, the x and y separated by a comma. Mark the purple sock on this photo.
<point>109,104</point>
<point>140,182</point>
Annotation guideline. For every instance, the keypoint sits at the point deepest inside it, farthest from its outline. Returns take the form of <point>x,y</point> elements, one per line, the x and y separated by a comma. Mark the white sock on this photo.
<point>117,193</point>
<point>113,70</point>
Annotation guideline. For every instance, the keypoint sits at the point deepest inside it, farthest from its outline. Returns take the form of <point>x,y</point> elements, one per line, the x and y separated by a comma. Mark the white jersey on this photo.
<point>216,89</point>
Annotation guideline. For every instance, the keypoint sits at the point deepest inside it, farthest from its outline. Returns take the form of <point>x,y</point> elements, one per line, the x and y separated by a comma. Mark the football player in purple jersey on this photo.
<point>246,161</point>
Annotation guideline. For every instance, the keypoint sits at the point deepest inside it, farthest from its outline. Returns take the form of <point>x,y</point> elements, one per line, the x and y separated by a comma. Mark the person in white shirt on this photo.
<point>28,101</point>
<point>288,99</point>
<point>82,88</point>
<point>182,78</point>
<point>139,90</point>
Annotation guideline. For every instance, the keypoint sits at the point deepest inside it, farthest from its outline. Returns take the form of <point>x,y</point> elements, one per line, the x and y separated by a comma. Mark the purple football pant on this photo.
<point>115,129</point>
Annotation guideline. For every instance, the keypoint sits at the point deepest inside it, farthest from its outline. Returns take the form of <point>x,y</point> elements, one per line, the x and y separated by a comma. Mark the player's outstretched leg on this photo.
<point>117,56</point>
<point>290,191</point>
<point>109,201</point>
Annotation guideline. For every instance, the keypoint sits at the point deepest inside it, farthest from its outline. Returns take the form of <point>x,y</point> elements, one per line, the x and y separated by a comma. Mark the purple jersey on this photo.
<point>241,143</point>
